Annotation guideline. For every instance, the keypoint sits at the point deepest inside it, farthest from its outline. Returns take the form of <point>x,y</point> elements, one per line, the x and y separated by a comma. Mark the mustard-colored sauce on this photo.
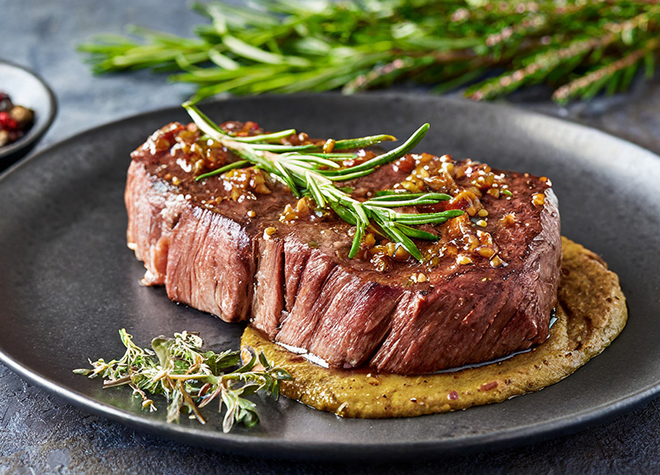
<point>591,312</point>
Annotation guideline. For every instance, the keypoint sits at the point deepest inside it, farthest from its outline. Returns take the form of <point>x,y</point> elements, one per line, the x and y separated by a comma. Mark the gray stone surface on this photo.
<point>41,434</point>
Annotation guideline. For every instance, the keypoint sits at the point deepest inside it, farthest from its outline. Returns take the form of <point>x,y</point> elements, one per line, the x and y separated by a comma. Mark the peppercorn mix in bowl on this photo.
<point>27,109</point>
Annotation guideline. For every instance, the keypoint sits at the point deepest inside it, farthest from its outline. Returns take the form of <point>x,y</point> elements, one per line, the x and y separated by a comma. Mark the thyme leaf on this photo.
<point>315,176</point>
<point>189,379</point>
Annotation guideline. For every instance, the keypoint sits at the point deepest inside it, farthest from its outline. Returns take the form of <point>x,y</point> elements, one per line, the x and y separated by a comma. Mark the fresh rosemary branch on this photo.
<point>286,46</point>
<point>308,172</point>
<point>189,378</point>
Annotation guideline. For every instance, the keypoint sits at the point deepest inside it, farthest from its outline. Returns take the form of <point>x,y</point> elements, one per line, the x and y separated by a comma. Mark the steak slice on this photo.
<point>242,247</point>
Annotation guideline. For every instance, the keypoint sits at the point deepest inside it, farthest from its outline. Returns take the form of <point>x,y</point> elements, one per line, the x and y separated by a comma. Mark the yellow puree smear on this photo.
<point>591,312</point>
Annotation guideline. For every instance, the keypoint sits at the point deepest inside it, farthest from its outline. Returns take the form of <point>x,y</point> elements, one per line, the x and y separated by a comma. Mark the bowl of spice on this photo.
<point>27,109</point>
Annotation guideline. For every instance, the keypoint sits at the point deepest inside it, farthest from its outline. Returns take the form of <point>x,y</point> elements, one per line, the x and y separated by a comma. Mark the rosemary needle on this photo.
<point>315,175</point>
<point>492,47</point>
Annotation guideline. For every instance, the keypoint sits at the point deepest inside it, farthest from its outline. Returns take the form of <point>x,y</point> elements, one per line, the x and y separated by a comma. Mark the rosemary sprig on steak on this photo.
<point>493,47</point>
<point>189,378</point>
<point>312,170</point>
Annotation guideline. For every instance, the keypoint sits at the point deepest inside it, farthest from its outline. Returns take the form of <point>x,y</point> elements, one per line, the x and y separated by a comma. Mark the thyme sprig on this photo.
<point>286,46</point>
<point>315,174</point>
<point>189,379</point>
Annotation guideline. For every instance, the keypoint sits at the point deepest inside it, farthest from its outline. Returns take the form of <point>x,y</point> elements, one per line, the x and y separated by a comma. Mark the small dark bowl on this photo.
<point>26,89</point>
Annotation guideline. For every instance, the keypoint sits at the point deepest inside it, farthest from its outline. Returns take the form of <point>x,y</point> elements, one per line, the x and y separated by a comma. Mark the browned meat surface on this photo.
<point>229,245</point>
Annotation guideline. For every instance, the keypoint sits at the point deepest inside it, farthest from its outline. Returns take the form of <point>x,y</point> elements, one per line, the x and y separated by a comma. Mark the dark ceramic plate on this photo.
<point>28,90</point>
<point>68,282</point>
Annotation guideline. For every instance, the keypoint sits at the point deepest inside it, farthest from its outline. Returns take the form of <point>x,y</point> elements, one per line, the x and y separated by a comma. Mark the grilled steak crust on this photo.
<point>486,289</point>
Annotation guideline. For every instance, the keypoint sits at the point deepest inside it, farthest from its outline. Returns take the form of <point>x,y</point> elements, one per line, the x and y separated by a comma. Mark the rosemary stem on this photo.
<point>315,175</point>
<point>498,47</point>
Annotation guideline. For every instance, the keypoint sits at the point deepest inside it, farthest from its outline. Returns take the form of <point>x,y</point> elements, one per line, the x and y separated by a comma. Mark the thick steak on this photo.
<point>230,245</point>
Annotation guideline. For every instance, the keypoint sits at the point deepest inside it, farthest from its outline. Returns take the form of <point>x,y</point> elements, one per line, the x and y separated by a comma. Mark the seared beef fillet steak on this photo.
<point>230,245</point>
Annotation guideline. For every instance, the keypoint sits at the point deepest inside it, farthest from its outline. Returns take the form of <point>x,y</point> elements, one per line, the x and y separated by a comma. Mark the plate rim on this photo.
<point>318,451</point>
<point>275,448</point>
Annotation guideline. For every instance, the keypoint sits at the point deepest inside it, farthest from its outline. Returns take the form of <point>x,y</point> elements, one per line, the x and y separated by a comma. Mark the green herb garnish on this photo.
<point>577,47</point>
<point>189,378</point>
<point>315,174</point>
